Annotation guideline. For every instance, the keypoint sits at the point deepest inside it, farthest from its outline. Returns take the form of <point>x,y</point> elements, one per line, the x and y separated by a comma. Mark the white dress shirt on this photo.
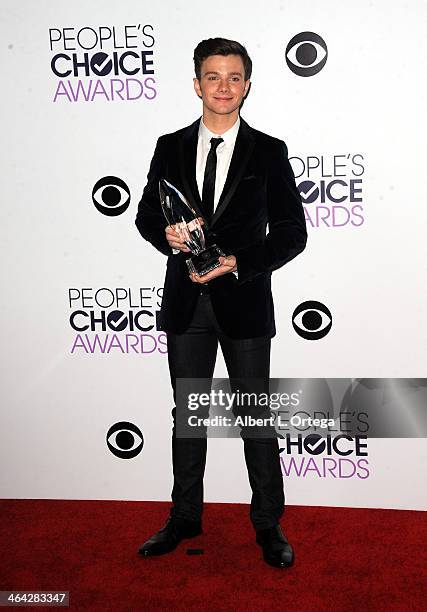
<point>224,153</point>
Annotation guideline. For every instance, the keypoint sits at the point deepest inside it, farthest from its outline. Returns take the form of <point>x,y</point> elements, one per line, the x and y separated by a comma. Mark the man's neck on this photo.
<point>218,124</point>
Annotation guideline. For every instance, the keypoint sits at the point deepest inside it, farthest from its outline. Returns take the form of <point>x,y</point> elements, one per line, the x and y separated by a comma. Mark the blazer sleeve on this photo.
<point>287,232</point>
<point>150,219</point>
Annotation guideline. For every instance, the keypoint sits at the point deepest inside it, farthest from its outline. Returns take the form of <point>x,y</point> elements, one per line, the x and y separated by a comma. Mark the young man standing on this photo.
<point>238,180</point>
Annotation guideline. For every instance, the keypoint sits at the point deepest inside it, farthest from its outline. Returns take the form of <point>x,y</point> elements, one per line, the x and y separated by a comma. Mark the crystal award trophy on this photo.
<point>178,212</point>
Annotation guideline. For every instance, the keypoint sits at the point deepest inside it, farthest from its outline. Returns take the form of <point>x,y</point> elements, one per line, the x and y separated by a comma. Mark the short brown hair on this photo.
<point>220,46</point>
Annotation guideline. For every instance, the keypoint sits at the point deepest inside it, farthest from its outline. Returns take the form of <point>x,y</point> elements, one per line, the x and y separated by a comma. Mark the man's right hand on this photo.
<point>174,239</point>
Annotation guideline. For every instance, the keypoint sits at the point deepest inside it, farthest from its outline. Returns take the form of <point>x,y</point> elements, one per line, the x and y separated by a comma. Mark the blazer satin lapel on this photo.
<point>187,163</point>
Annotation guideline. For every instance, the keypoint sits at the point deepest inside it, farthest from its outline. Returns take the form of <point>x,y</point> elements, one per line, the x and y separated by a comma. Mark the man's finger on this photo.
<point>171,232</point>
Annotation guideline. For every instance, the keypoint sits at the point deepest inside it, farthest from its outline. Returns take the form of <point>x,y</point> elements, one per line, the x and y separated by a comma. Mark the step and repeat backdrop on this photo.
<point>87,88</point>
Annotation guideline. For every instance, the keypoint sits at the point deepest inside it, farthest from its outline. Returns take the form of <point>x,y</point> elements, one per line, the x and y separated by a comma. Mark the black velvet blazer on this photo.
<point>260,189</point>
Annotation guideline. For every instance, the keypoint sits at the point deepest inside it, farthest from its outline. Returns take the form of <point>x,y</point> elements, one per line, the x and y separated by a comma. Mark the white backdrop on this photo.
<point>368,101</point>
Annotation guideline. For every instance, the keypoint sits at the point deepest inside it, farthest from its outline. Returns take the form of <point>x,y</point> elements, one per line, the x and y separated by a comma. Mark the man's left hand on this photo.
<point>228,264</point>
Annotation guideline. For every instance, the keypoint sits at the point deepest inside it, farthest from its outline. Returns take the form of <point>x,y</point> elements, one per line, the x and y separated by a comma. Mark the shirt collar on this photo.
<point>229,136</point>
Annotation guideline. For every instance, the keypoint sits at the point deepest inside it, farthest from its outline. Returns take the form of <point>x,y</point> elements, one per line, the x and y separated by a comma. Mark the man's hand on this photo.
<point>174,238</point>
<point>228,264</point>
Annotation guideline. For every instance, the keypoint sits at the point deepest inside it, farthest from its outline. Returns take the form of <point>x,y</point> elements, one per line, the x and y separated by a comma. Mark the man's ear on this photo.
<point>197,87</point>
<point>247,88</point>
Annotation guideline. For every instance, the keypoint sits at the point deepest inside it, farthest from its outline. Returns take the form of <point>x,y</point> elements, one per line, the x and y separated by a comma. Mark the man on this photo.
<point>238,180</point>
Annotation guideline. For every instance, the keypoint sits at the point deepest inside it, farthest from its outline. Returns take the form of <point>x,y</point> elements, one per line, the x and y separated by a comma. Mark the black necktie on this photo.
<point>208,192</point>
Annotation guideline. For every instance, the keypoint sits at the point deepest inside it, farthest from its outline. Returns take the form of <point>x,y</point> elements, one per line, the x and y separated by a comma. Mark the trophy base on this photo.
<point>205,261</point>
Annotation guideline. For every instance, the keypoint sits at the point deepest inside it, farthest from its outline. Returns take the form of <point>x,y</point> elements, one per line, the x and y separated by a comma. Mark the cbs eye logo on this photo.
<point>125,440</point>
<point>111,196</point>
<point>306,54</point>
<point>312,320</point>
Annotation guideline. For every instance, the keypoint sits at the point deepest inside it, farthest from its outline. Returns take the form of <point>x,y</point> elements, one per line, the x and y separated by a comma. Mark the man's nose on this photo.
<point>223,85</point>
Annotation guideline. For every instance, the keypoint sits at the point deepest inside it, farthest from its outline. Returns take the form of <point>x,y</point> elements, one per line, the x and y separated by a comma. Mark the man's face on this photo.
<point>222,84</point>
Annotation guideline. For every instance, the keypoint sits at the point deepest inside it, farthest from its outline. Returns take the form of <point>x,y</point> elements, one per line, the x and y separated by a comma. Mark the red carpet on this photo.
<point>346,559</point>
